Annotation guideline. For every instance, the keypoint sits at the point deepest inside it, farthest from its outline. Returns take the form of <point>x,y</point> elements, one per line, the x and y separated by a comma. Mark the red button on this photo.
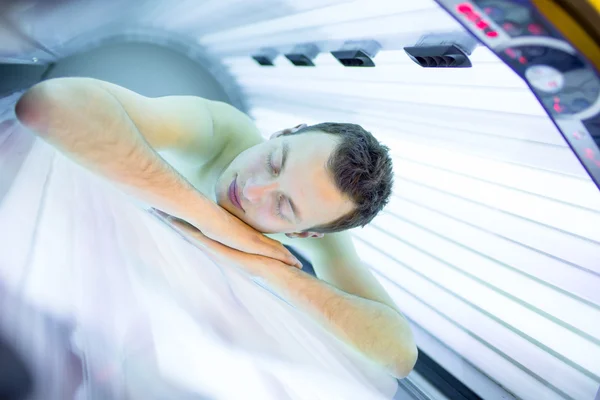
<point>473,17</point>
<point>589,153</point>
<point>535,29</point>
<point>508,26</point>
<point>464,8</point>
<point>482,24</point>
<point>511,53</point>
<point>492,34</point>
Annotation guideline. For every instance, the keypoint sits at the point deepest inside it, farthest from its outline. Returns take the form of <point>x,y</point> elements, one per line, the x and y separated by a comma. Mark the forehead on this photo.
<point>309,182</point>
<point>312,146</point>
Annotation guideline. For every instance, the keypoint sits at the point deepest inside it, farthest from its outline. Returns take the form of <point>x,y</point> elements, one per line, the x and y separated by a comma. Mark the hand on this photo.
<point>233,234</point>
<point>255,265</point>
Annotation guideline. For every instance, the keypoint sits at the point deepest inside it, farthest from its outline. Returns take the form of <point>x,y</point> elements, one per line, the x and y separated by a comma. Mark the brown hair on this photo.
<point>362,170</point>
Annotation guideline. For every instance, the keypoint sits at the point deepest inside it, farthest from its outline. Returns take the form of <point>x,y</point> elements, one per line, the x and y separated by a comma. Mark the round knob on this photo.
<point>545,78</point>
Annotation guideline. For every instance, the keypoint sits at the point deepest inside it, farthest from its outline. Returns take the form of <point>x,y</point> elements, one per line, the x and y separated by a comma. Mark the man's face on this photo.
<point>283,185</point>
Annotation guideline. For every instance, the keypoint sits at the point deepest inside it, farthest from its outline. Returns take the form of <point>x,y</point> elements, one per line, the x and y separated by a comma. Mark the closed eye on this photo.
<point>293,213</point>
<point>275,171</point>
<point>279,209</point>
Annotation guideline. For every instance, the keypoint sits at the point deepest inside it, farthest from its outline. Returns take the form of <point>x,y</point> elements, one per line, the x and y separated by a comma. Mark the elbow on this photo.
<point>407,358</point>
<point>32,108</point>
<point>44,103</point>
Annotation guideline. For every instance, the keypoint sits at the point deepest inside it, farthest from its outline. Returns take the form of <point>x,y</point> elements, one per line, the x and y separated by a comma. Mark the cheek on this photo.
<point>263,218</point>
<point>264,214</point>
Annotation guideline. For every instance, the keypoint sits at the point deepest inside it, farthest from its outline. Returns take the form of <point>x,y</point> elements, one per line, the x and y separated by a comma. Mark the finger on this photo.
<point>274,250</point>
<point>195,236</point>
<point>291,260</point>
<point>279,252</point>
<point>179,223</point>
<point>283,254</point>
<point>159,212</point>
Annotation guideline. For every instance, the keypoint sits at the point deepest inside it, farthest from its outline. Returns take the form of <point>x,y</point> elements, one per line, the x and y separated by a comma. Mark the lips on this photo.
<point>234,196</point>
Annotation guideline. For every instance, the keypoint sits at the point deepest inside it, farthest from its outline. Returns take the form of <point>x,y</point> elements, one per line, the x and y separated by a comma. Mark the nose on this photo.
<point>255,189</point>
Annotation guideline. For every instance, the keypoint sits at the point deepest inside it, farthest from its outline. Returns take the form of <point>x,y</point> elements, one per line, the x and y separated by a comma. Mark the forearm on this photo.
<point>374,329</point>
<point>89,125</point>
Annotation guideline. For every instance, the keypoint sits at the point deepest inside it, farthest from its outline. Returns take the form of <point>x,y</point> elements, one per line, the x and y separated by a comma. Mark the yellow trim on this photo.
<point>571,29</point>
<point>595,3</point>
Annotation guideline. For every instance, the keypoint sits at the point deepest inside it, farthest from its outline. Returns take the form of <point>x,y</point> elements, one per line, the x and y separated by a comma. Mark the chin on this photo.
<point>222,198</point>
<point>230,208</point>
<point>222,201</point>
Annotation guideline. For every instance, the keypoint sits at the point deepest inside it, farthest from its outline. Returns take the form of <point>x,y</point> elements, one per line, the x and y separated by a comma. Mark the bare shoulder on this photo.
<point>233,125</point>
<point>190,129</point>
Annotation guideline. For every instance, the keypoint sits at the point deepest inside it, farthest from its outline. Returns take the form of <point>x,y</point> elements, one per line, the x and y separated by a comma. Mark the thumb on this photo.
<point>284,255</point>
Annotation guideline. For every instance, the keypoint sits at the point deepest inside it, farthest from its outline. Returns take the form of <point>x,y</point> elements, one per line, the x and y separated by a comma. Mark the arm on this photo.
<point>91,126</point>
<point>115,132</point>
<point>374,329</point>
<point>336,262</point>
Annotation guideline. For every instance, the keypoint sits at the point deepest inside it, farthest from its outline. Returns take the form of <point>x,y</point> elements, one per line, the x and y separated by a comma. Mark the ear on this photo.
<point>287,131</point>
<point>303,235</point>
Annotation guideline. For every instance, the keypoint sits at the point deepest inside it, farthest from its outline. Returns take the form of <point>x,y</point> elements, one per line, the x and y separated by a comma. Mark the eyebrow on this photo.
<point>284,157</point>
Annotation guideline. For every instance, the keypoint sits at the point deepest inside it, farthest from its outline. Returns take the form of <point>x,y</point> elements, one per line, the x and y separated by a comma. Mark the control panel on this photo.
<point>566,84</point>
<point>515,18</point>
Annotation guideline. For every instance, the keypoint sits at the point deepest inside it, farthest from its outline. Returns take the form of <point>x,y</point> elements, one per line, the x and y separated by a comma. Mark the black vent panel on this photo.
<point>439,56</point>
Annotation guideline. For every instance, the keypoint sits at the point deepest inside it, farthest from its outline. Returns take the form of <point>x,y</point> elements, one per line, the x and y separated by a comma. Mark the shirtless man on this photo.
<point>205,163</point>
